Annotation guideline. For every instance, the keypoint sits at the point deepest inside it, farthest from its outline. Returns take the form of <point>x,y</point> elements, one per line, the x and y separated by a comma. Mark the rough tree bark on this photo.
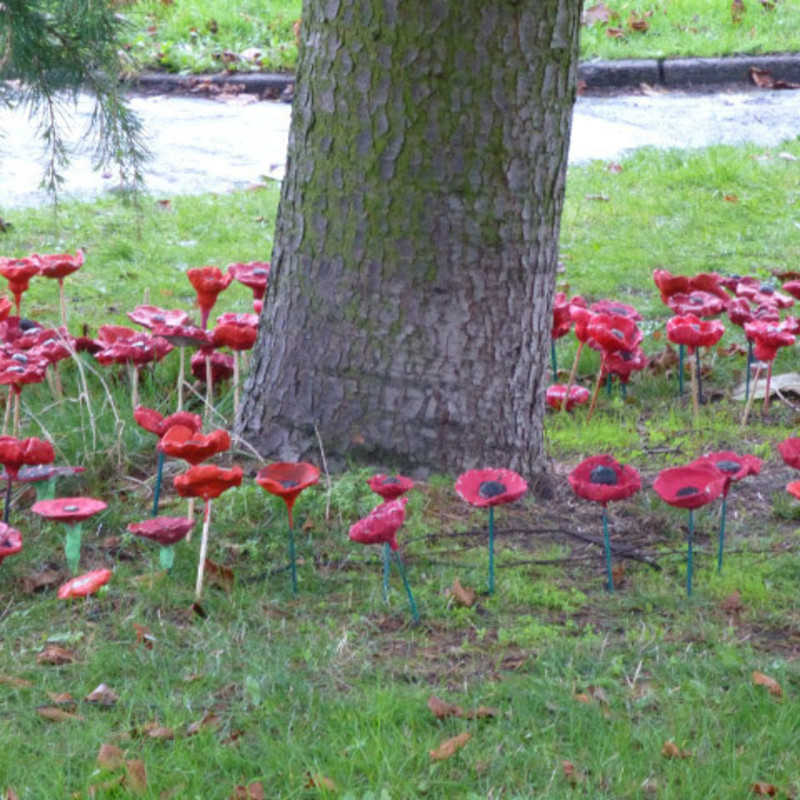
<point>409,308</point>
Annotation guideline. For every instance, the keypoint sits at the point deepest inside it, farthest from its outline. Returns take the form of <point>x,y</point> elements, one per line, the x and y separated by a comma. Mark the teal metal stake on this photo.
<point>722,533</point>
<point>491,549</point>
<point>72,547</point>
<point>387,555</point>
<point>292,555</point>
<point>159,475</point>
<point>553,361</point>
<point>607,545</point>
<point>608,384</point>
<point>690,563</point>
<point>411,603</point>
<point>680,369</point>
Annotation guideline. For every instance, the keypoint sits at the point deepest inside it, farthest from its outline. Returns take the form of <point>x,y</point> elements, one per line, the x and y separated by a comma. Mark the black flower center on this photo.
<point>687,490</point>
<point>617,333</point>
<point>69,508</point>
<point>619,310</point>
<point>626,355</point>
<point>766,288</point>
<point>288,484</point>
<point>259,272</point>
<point>21,358</point>
<point>729,466</point>
<point>391,479</point>
<point>159,318</point>
<point>489,489</point>
<point>603,475</point>
<point>696,301</point>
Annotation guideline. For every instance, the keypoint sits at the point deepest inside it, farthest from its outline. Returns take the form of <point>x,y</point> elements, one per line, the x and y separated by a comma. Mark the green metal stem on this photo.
<point>623,388</point>
<point>387,563</point>
<point>609,381</point>
<point>411,603</point>
<point>607,545</point>
<point>166,558</point>
<point>680,369</point>
<point>292,558</point>
<point>722,533</point>
<point>491,549</point>
<point>553,360</point>
<point>690,560</point>
<point>699,373</point>
<point>72,547</point>
<point>7,505</point>
<point>159,475</point>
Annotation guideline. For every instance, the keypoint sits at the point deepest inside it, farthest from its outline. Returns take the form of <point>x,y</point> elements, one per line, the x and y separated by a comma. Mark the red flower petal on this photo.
<point>381,524</point>
<point>490,487</point>
<point>603,479</point>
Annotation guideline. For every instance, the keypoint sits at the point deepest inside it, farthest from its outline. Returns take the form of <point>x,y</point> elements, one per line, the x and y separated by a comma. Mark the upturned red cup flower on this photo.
<point>623,363</point>
<point>16,452</point>
<point>84,585</point>
<point>602,479</point>
<point>612,332</point>
<point>18,272</point>
<point>221,366</point>
<point>790,452</point>
<point>694,332</point>
<point>669,284</point>
<point>614,307</point>
<point>562,319</point>
<point>794,489</point>
<point>554,397</point>
<point>690,486</point>
<point>380,526</point>
<point>767,338</point>
<point>207,481</point>
<point>152,421</point>
<point>709,282</point>
<point>762,293</point>
<point>179,441</point>
<point>286,479</point>
<point>236,335</point>
<point>490,487</point>
<point>149,316</point>
<point>10,541</point>
<point>581,317</point>
<point>793,288</point>
<point>254,275</point>
<point>208,282</point>
<point>166,531</point>
<point>390,487</point>
<point>59,265</point>
<point>697,303</point>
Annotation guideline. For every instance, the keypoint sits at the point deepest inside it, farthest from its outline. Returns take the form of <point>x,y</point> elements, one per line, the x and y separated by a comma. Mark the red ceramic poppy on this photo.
<point>562,320</point>
<point>68,509</point>
<point>137,350</point>
<point>164,530</point>
<point>554,397</point>
<point>709,282</point>
<point>10,541</point>
<point>790,324</point>
<point>151,420</point>
<point>490,487</point>
<point>733,466</point>
<point>207,481</point>
<point>613,332</point>
<point>287,479</point>
<point>669,284</point>
<point>237,336</point>
<point>694,332</point>
<point>698,303</point>
<point>18,272</point>
<point>109,334</point>
<point>233,318</point>
<point>42,472</point>
<point>85,584</point>
<point>20,369</point>
<point>793,288</point>
<point>790,451</point>
<point>381,524</point>
<point>208,282</point>
<point>615,307</point>
<point>183,335</point>
<point>602,479</point>
<point>691,486</point>
<point>149,316</point>
<point>16,452</point>
<point>253,274</point>
<point>59,265</point>
<point>390,487</point>
<point>623,363</point>
<point>221,366</point>
<point>180,441</point>
<point>741,311</point>
<point>767,338</point>
<point>5,307</point>
<point>581,317</point>
<point>762,293</point>
<point>794,489</point>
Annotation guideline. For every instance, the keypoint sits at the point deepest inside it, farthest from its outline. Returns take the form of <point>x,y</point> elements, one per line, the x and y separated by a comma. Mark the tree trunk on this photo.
<point>408,314</point>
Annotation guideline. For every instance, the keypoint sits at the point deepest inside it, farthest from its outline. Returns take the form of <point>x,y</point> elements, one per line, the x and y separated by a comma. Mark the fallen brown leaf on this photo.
<point>449,747</point>
<point>732,604</point>
<point>319,782</point>
<point>441,709</point>
<point>41,580</point>
<point>481,712</point>
<point>136,776</point>
<point>209,720</point>
<point>463,595</point>
<point>62,699</point>
<point>573,775</point>
<point>14,682</point>
<point>253,791</point>
<point>54,714</point>
<point>110,757</point>
<point>219,575</point>
<point>102,695</point>
<point>53,655</point>
<point>596,13</point>
<point>764,788</point>
<point>615,33</point>
<point>582,697</point>
<point>731,198</point>
<point>671,750</point>
<point>638,23</point>
<point>765,80</point>
<point>618,575</point>
<point>143,636</point>
<point>155,731</point>
<point>760,679</point>
<point>737,11</point>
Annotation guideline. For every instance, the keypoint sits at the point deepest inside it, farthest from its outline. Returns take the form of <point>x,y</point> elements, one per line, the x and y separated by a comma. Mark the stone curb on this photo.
<point>671,73</point>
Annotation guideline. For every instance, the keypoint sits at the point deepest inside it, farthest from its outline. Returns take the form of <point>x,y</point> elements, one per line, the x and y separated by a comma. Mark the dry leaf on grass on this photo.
<point>449,747</point>
<point>155,731</point>
<point>62,699</point>
<point>103,695</point>
<point>463,595</point>
<point>615,33</point>
<point>136,776</point>
<point>760,679</point>
<point>582,697</point>
<point>481,712</point>
<point>53,655</point>
<point>41,580</point>
<point>671,750</point>
<point>11,795</point>
<point>441,709</point>
<point>219,575</point>
<point>574,776</point>
<point>596,13</point>
<point>732,604</point>
<point>14,682</point>
<point>253,791</point>
<point>54,714</point>
<point>319,782</point>
<point>110,757</point>
<point>209,720</point>
<point>143,636</point>
<point>762,788</point>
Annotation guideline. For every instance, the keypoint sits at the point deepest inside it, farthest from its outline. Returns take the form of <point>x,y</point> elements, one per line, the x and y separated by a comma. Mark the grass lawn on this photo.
<point>565,690</point>
<point>212,35</point>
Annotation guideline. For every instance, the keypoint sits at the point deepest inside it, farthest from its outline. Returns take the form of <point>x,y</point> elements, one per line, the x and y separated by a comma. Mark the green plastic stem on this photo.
<point>623,388</point>
<point>607,545</point>
<point>292,557</point>
<point>72,547</point>
<point>45,490</point>
<point>553,360</point>
<point>387,563</point>
<point>690,561</point>
<point>609,380</point>
<point>699,373</point>
<point>491,549</point>
<point>7,505</point>
<point>680,369</point>
<point>722,533</point>
<point>166,557</point>
<point>159,475</point>
<point>411,603</point>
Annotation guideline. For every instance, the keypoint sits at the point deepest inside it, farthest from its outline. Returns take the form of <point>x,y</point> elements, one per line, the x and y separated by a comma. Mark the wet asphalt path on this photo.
<point>203,145</point>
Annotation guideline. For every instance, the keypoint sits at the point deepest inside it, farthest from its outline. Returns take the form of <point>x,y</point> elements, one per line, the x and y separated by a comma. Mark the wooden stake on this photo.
<point>596,392</point>
<point>201,566</point>
<point>572,373</point>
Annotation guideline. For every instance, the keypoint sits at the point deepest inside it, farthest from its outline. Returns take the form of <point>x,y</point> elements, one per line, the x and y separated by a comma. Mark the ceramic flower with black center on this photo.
<point>556,394</point>
<point>602,479</point>
<point>58,266</point>
<point>208,282</point>
<point>487,488</point>
<point>734,467</point>
<point>690,487</point>
<point>767,338</point>
<point>10,541</point>
<point>14,453</point>
<point>254,275</point>
<point>166,531</point>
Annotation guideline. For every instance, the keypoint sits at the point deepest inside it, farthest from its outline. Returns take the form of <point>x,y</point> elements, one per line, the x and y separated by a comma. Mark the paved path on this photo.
<point>204,145</point>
